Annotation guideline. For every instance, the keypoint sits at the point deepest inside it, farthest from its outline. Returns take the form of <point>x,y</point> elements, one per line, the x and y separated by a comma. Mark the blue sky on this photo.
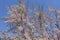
<point>3,12</point>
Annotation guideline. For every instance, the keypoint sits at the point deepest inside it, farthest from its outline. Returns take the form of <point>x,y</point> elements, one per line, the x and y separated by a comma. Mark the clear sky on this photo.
<point>53,3</point>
